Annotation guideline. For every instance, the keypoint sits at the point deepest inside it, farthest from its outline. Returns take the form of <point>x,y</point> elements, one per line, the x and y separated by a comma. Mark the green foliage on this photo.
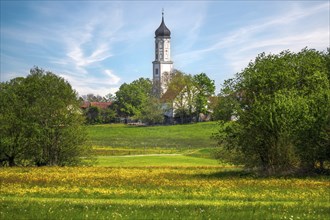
<point>205,88</point>
<point>282,106</point>
<point>131,98</point>
<point>96,115</point>
<point>107,115</point>
<point>190,95</point>
<point>228,102</point>
<point>92,115</point>
<point>40,121</point>
<point>181,92</point>
<point>152,113</point>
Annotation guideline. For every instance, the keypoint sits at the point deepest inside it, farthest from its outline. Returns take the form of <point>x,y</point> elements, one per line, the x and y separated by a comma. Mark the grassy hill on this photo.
<point>176,136</point>
<point>192,144</point>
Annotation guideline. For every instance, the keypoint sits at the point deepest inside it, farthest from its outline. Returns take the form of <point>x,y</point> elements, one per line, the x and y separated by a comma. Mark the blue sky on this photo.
<point>99,45</point>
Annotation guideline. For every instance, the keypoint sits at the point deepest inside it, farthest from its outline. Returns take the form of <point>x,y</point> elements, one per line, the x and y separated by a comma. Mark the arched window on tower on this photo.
<point>156,71</point>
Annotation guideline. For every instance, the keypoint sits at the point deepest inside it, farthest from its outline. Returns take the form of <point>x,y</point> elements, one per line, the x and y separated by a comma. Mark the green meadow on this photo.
<point>160,172</point>
<point>171,137</point>
<point>151,160</point>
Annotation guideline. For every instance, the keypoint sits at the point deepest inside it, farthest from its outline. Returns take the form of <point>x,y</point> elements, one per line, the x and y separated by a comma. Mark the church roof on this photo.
<point>102,105</point>
<point>162,30</point>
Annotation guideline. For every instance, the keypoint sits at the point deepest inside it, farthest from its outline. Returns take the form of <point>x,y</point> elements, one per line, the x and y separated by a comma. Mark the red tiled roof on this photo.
<point>102,105</point>
<point>85,104</point>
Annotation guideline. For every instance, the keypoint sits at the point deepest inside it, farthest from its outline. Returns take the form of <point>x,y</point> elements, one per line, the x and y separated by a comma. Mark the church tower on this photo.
<point>162,66</point>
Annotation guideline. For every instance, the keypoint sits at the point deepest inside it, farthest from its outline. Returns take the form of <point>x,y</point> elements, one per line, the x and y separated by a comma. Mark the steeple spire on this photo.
<point>162,29</point>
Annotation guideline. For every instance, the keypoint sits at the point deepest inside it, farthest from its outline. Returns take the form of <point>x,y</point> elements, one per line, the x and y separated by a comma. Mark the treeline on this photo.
<point>187,96</point>
<point>276,113</point>
<point>40,121</point>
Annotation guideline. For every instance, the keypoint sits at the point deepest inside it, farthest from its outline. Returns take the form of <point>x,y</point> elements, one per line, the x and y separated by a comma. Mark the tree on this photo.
<point>15,131</point>
<point>93,115</point>
<point>205,89</point>
<point>131,98</point>
<point>153,112</point>
<point>228,102</point>
<point>189,94</point>
<point>282,107</point>
<point>313,142</point>
<point>93,98</point>
<point>109,98</point>
<point>180,96</point>
<point>107,115</point>
<point>40,121</point>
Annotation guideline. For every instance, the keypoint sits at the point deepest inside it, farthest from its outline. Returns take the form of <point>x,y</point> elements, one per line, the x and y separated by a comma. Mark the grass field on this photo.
<point>154,160</point>
<point>171,137</point>
<point>158,193</point>
<point>157,173</point>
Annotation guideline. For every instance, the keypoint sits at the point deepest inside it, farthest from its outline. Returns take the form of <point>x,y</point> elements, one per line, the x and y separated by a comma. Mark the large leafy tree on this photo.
<point>93,115</point>
<point>282,105</point>
<point>227,102</point>
<point>16,133</point>
<point>189,94</point>
<point>40,121</point>
<point>131,98</point>
<point>205,89</point>
<point>152,112</point>
<point>181,95</point>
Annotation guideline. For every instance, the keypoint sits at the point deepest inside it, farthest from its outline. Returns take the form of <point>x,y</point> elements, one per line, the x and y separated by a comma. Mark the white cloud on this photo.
<point>106,82</point>
<point>113,79</point>
<point>292,30</point>
<point>90,43</point>
<point>102,91</point>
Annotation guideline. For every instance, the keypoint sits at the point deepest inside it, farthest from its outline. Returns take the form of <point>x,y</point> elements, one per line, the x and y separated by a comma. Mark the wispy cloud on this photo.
<point>283,34</point>
<point>75,46</point>
<point>239,45</point>
<point>106,82</point>
<point>97,45</point>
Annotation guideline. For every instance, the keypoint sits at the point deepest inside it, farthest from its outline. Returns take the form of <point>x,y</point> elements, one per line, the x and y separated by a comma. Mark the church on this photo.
<point>163,65</point>
<point>176,100</point>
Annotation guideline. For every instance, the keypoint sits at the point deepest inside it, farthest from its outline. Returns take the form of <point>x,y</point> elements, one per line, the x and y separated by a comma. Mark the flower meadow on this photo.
<point>222,192</point>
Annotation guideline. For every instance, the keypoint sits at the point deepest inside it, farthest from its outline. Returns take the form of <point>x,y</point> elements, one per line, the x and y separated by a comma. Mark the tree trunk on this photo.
<point>321,165</point>
<point>11,161</point>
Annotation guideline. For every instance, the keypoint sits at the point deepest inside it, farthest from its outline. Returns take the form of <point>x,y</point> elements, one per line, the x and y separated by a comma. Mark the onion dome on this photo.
<point>162,30</point>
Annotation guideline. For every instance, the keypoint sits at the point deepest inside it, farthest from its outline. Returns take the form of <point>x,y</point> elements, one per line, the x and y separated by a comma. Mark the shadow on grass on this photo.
<point>227,174</point>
